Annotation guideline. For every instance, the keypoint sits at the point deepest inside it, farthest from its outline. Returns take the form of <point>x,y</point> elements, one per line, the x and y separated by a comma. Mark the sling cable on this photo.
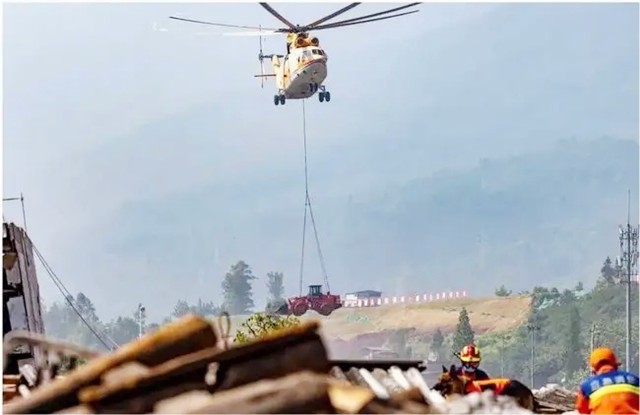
<point>309,208</point>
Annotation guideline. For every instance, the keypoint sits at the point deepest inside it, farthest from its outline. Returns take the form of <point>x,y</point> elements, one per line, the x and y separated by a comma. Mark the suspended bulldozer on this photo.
<point>316,300</point>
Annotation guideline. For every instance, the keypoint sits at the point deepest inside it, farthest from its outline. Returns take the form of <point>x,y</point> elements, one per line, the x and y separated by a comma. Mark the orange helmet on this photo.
<point>603,356</point>
<point>470,354</point>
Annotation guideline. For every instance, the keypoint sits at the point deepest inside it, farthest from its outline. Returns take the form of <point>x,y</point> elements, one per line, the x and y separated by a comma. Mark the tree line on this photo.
<point>561,329</point>
<point>62,321</point>
<point>566,324</point>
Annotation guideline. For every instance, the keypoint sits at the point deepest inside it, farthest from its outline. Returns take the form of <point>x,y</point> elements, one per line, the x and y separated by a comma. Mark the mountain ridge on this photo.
<point>549,216</point>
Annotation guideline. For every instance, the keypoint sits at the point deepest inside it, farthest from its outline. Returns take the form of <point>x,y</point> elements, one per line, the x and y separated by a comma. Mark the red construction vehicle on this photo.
<point>316,300</point>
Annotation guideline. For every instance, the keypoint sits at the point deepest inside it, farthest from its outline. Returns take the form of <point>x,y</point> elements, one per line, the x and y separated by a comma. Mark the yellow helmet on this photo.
<point>470,354</point>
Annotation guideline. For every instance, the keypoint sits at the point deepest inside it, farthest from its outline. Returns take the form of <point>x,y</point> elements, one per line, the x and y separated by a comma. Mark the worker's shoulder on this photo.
<point>628,377</point>
<point>614,377</point>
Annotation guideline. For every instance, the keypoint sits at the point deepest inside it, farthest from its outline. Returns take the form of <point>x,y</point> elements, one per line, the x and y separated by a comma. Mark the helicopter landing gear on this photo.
<point>279,99</point>
<point>324,95</point>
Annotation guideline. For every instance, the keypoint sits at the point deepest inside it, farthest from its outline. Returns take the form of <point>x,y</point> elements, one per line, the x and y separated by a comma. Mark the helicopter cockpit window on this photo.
<point>318,52</point>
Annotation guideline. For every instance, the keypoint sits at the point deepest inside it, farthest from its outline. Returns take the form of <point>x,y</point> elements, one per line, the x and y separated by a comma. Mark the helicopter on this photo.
<point>301,72</point>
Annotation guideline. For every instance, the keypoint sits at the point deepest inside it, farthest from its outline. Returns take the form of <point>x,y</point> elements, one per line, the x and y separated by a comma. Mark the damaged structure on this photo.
<point>186,367</point>
<point>20,295</point>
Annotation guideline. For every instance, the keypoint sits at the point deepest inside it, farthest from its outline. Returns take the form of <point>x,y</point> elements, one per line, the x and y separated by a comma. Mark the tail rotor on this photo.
<point>261,59</point>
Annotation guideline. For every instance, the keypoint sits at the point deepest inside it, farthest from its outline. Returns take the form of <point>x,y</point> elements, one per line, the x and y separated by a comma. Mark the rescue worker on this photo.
<point>608,390</point>
<point>470,358</point>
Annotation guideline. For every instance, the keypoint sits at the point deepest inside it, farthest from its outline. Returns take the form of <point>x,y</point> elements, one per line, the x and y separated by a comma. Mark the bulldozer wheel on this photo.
<point>325,309</point>
<point>299,309</point>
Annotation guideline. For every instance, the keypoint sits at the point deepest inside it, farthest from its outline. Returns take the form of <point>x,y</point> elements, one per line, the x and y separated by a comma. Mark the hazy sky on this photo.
<point>102,113</point>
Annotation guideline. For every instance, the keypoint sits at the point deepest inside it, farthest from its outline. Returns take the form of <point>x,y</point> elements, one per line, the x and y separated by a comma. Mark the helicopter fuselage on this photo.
<point>301,73</point>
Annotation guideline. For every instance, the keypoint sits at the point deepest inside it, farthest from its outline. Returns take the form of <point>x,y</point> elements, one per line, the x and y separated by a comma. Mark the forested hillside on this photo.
<point>565,320</point>
<point>546,217</point>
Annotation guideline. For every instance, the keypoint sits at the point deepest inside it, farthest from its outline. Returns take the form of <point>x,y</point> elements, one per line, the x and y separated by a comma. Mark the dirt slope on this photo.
<point>491,314</point>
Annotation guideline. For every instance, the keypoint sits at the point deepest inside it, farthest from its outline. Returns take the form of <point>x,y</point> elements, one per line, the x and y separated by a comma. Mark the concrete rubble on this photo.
<point>185,367</point>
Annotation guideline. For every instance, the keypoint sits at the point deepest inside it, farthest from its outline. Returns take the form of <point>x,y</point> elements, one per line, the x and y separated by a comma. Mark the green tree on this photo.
<point>261,324</point>
<point>573,356</point>
<point>567,297</point>
<point>503,292</point>
<point>464,333</point>
<point>608,273</point>
<point>275,284</point>
<point>61,321</point>
<point>86,308</point>
<point>544,297</point>
<point>203,309</point>
<point>123,330</point>
<point>81,333</point>
<point>236,288</point>
<point>180,309</point>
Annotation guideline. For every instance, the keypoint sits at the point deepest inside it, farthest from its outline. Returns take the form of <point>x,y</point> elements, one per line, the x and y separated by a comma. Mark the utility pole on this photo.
<point>533,327</point>
<point>141,316</point>
<point>21,199</point>
<point>628,262</point>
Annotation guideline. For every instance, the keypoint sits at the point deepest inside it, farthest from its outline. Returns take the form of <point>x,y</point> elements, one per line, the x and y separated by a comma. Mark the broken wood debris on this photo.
<point>554,399</point>
<point>184,368</point>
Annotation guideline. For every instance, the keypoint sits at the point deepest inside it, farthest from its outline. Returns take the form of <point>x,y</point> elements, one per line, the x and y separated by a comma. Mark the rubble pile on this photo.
<point>553,398</point>
<point>184,367</point>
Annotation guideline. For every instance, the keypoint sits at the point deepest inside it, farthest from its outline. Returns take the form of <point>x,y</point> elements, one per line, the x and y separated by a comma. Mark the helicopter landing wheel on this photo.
<point>282,99</point>
<point>324,96</point>
<point>276,99</point>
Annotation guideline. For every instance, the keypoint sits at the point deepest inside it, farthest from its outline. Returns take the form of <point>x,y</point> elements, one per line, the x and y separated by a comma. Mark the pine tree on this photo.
<point>236,288</point>
<point>464,334</point>
<point>608,273</point>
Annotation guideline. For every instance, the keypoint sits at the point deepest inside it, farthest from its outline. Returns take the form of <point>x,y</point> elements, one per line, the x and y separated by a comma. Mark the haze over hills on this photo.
<point>542,218</point>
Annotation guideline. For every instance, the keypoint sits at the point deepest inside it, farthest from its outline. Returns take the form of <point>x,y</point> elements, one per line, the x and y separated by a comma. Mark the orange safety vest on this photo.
<point>478,374</point>
<point>609,392</point>
<point>497,385</point>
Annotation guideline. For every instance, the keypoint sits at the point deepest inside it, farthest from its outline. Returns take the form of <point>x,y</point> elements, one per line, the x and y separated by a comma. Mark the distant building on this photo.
<point>364,294</point>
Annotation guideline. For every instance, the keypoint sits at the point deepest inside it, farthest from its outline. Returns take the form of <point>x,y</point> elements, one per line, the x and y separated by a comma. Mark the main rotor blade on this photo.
<point>395,9</point>
<point>272,33</point>
<point>340,24</point>
<point>332,15</point>
<point>278,16</point>
<point>223,24</point>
